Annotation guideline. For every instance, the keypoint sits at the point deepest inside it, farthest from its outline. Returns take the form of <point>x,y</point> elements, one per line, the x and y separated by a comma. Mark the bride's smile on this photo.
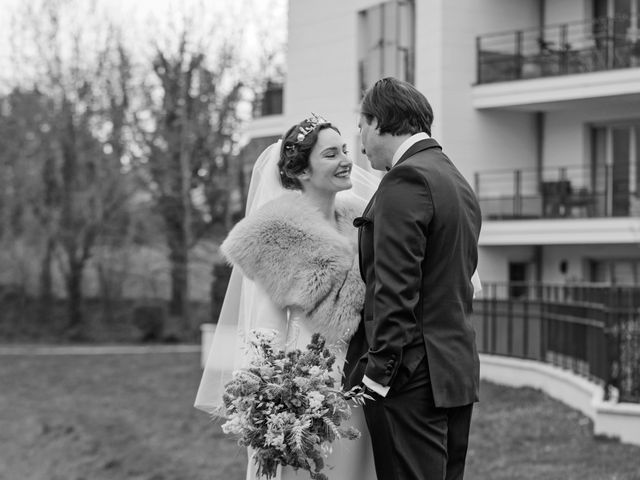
<point>344,172</point>
<point>329,164</point>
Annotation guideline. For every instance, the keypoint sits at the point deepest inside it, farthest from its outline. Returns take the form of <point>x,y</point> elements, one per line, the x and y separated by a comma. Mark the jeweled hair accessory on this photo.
<point>312,122</point>
<point>307,126</point>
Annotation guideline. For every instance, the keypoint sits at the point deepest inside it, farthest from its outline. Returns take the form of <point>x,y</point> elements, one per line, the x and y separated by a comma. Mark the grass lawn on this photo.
<point>98,417</point>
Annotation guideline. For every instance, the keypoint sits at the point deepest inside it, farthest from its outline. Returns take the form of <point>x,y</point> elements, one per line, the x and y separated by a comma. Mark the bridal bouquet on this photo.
<point>286,407</point>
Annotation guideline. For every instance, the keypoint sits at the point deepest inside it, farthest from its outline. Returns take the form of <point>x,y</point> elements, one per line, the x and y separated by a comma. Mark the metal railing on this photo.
<point>592,330</point>
<point>557,192</point>
<point>578,47</point>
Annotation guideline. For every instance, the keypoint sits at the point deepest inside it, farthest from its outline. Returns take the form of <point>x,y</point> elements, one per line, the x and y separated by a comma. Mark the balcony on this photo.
<point>557,193</point>
<point>570,48</point>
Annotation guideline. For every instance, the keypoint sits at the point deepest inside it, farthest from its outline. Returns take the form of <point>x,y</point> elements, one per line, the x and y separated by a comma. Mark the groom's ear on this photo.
<point>375,125</point>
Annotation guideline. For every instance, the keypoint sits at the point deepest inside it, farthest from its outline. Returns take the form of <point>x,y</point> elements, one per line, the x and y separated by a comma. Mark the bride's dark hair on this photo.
<point>297,144</point>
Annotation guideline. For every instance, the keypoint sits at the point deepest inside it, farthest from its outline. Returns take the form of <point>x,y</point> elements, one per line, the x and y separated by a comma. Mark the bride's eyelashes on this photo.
<point>333,151</point>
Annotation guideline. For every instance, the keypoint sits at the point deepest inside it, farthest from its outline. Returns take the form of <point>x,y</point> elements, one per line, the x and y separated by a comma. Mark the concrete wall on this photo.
<point>493,262</point>
<point>563,11</point>
<point>611,419</point>
<point>321,64</point>
<point>577,257</point>
<point>477,140</point>
<point>566,132</point>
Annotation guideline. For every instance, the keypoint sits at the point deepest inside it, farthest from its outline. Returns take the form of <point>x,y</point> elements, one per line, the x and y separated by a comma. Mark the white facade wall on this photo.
<point>566,132</point>
<point>321,64</point>
<point>493,262</point>
<point>576,257</point>
<point>552,257</point>
<point>565,140</point>
<point>479,140</point>
<point>563,11</point>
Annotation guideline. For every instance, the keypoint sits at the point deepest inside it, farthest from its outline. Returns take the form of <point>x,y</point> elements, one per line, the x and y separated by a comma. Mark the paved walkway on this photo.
<point>95,349</point>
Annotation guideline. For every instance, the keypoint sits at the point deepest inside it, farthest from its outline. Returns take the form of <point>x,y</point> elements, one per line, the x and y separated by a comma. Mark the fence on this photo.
<point>567,191</point>
<point>592,330</point>
<point>561,49</point>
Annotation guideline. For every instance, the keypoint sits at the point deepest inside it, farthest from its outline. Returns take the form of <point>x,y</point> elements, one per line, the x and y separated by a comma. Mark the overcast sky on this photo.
<point>146,17</point>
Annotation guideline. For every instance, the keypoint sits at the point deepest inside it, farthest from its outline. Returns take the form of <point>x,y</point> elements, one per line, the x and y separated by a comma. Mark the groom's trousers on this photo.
<point>412,438</point>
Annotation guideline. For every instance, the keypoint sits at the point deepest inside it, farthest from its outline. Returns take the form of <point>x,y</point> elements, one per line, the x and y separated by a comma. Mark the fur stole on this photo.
<point>303,262</point>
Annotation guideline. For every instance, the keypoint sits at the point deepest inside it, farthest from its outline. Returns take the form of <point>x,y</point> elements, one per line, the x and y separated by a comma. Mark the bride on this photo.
<point>296,270</point>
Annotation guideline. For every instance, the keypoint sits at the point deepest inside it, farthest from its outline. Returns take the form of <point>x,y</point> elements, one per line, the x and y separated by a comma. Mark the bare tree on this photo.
<point>97,133</point>
<point>193,140</point>
<point>82,72</point>
<point>190,142</point>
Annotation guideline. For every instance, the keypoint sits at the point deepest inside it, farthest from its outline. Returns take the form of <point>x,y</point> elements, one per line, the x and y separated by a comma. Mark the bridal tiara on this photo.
<point>307,126</point>
<point>312,122</point>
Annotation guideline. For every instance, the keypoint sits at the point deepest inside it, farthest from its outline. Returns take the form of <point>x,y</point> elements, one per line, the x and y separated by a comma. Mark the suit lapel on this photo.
<point>419,147</point>
<point>369,206</point>
<point>366,214</point>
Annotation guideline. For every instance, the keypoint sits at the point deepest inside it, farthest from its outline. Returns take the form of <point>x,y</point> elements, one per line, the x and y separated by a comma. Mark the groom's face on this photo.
<point>372,146</point>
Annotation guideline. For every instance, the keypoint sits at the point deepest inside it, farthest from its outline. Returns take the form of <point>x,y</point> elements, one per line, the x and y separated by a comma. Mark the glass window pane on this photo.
<point>622,272</point>
<point>386,42</point>
<point>406,40</point>
<point>620,171</point>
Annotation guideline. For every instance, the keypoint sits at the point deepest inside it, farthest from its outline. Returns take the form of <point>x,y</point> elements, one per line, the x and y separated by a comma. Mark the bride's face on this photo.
<point>329,164</point>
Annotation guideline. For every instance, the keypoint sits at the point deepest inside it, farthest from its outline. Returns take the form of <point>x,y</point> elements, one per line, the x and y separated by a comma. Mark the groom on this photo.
<point>415,348</point>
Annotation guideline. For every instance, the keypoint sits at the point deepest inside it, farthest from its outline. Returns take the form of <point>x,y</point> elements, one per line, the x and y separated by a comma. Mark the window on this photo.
<point>517,279</point>
<point>615,172</point>
<point>386,42</point>
<point>626,13</point>
<point>616,8</point>
<point>618,272</point>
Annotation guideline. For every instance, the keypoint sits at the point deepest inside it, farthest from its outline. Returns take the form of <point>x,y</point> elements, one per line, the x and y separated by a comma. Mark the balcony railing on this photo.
<point>568,191</point>
<point>590,329</point>
<point>562,49</point>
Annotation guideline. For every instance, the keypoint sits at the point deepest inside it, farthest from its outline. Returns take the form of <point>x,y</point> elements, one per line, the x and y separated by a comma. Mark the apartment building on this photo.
<point>536,101</point>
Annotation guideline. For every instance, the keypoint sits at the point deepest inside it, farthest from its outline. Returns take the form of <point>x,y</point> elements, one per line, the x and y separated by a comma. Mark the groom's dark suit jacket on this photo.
<point>418,240</point>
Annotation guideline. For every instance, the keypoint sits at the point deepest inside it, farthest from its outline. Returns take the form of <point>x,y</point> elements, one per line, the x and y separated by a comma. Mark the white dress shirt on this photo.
<point>406,145</point>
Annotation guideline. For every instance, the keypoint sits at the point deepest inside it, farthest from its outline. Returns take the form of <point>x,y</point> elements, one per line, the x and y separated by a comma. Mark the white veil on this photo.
<point>246,306</point>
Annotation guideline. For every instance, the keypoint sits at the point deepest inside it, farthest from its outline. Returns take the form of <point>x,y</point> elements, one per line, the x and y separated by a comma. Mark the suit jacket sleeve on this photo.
<point>401,218</point>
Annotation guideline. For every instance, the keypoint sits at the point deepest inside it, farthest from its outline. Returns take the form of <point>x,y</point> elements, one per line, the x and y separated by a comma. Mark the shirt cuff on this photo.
<point>376,387</point>
<point>477,285</point>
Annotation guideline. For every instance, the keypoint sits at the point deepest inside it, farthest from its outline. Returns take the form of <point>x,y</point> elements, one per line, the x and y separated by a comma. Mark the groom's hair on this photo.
<point>398,107</point>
